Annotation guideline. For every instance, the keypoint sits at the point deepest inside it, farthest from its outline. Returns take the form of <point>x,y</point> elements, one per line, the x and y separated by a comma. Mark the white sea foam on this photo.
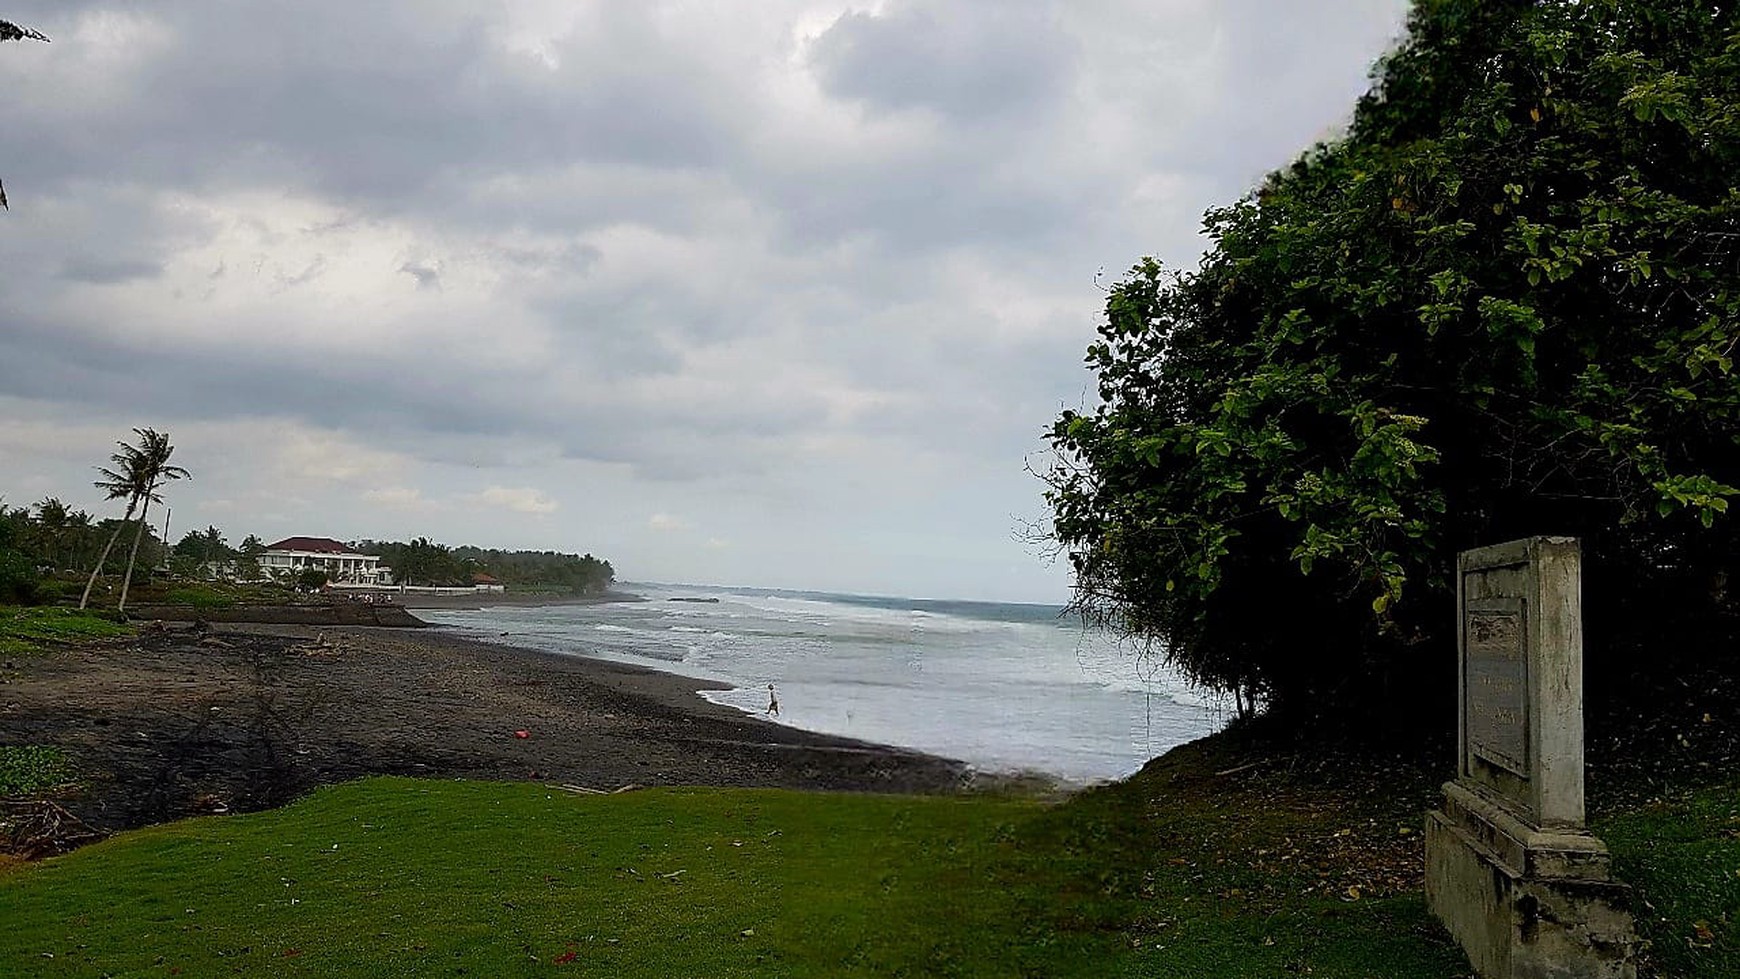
<point>999,686</point>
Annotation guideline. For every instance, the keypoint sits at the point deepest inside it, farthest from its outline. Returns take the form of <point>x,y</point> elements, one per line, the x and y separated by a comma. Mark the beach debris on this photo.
<point>33,828</point>
<point>564,958</point>
<point>673,875</point>
<point>522,735</point>
<point>747,933</point>
<point>209,803</point>
<point>588,790</point>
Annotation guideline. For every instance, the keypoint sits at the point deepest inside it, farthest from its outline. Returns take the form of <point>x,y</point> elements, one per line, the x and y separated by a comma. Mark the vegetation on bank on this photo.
<point>31,768</point>
<point>27,629</point>
<point>1504,304</point>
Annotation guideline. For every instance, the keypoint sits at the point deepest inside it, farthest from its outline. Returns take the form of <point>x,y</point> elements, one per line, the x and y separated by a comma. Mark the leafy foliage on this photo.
<point>45,538</point>
<point>12,32</point>
<point>1506,303</point>
<point>27,768</point>
<point>19,582</point>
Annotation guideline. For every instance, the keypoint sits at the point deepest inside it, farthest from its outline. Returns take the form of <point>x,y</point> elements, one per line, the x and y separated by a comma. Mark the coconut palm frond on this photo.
<point>12,32</point>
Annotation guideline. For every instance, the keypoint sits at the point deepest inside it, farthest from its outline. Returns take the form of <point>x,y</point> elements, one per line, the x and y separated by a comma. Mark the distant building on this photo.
<point>486,582</point>
<point>340,561</point>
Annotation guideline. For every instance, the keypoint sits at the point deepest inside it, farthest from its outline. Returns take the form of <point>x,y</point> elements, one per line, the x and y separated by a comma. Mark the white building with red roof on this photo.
<point>339,560</point>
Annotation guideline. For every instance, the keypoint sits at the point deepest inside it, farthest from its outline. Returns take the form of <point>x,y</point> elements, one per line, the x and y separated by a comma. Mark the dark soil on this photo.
<point>172,723</point>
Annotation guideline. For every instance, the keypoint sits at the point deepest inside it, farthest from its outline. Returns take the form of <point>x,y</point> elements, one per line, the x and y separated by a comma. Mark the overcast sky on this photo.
<point>776,293</point>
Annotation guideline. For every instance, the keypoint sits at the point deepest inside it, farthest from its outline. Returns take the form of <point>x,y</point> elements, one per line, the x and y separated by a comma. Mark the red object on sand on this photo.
<point>522,734</point>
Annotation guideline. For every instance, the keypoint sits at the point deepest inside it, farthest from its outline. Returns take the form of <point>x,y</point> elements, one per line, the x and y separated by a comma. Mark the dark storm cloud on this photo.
<point>965,61</point>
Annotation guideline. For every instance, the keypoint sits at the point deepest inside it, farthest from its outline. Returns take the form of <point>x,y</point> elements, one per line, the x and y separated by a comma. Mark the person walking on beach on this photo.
<point>772,701</point>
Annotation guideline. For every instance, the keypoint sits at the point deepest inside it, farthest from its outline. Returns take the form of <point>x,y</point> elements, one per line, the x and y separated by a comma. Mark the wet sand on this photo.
<point>170,724</point>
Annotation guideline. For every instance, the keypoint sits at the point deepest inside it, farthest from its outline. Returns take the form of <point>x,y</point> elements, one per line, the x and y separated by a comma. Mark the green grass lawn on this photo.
<point>25,629</point>
<point>393,877</point>
<point>200,596</point>
<point>1683,858</point>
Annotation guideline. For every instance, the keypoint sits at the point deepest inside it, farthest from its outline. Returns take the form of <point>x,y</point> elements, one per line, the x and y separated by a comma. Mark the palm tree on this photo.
<point>12,32</point>
<point>123,481</point>
<point>52,522</point>
<point>155,470</point>
<point>79,530</point>
<point>139,471</point>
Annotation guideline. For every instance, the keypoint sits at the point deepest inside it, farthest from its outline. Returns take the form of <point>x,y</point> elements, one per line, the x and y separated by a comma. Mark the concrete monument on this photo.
<point>1510,868</point>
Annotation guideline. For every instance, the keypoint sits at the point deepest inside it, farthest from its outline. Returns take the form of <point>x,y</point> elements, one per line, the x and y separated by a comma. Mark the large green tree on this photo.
<point>1505,303</point>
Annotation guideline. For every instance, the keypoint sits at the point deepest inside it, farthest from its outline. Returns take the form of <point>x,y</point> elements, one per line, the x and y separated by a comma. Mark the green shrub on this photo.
<point>31,768</point>
<point>24,630</point>
<point>19,581</point>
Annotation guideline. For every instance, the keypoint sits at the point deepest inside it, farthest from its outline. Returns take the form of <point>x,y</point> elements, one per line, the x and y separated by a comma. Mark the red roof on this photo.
<point>479,578</point>
<point>319,545</point>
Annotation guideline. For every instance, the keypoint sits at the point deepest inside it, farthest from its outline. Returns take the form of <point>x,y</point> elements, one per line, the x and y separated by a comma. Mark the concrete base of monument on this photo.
<point>1525,902</point>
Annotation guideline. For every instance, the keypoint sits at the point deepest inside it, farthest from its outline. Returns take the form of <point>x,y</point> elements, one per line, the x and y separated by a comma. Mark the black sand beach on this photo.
<point>169,724</point>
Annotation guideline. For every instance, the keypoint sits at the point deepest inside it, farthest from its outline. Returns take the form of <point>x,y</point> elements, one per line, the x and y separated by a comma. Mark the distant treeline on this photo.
<point>48,537</point>
<point>423,562</point>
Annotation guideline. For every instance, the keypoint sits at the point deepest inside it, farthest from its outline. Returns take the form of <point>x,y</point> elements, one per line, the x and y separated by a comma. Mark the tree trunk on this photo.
<point>133,555</point>
<point>98,569</point>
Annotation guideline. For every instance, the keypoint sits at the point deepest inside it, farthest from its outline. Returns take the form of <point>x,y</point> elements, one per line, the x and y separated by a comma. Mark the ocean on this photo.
<point>1003,687</point>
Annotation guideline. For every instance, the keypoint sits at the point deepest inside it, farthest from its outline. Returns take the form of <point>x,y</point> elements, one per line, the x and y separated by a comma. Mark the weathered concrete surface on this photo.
<point>1526,927</point>
<point>1538,582</point>
<point>1510,870</point>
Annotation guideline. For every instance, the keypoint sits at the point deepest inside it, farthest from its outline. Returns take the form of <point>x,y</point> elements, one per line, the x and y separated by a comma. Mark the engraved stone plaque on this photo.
<point>1497,677</point>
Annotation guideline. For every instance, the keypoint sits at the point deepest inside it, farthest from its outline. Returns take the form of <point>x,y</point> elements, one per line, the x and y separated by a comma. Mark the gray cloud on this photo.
<point>966,61</point>
<point>100,272</point>
<point>427,277</point>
